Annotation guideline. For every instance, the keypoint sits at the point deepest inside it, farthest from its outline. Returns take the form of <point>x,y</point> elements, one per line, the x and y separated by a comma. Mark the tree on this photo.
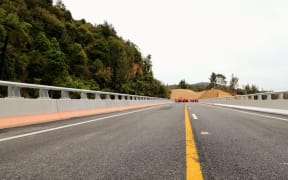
<point>56,68</point>
<point>212,79</point>
<point>13,30</point>
<point>78,61</point>
<point>233,83</point>
<point>60,4</point>
<point>220,80</point>
<point>254,89</point>
<point>182,84</point>
<point>41,42</point>
<point>148,64</point>
<point>61,51</point>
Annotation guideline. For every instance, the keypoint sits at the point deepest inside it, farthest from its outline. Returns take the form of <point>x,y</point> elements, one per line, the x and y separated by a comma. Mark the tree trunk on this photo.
<point>2,58</point>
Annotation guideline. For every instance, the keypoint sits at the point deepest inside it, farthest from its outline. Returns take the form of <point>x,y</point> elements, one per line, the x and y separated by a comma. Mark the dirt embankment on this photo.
<point>186,93</point>
<point>214,93</point>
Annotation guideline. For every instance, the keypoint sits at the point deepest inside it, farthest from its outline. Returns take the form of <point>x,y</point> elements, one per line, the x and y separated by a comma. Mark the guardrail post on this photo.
<point>65,95</point>
<point>108,97</point>
<point>259,97</point>
<point>97,96</point>
<point>14,92</point>
<point>281,96</point>
<point>83,95</point>
<point>43,94</point>
<point>269,96</point>
<point>252,98</point>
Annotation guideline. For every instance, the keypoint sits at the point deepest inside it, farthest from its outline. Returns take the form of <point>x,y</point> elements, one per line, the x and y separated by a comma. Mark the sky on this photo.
<point>190,39</point>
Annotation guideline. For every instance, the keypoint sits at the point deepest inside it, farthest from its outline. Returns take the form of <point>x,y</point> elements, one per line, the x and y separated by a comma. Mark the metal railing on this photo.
<point>283,95</point>
<point>14,91</point>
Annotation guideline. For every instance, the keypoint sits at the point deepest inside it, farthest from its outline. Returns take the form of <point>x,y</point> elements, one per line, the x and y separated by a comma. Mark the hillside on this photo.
<point>214,93</point>
<point>41,43</point>
<point>176,93</point>
<point>185,93</point>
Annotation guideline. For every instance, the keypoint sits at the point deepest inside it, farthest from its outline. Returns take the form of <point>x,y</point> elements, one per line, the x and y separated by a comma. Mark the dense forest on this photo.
<point>41,43</point>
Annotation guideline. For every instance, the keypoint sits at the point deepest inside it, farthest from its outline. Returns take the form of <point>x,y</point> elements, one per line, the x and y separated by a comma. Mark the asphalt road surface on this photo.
<point>149,144</point>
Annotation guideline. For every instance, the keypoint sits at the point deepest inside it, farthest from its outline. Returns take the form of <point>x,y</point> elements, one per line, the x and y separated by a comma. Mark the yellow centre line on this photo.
<point>193,168</point>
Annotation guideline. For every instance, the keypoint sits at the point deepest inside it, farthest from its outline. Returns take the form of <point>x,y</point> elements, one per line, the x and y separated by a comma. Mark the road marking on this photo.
<point>194,116</point>
<point>193,168</point>
<point>204,133</point>
<point>245,112</point>
<point>284,163</point>
<point>75,124</point>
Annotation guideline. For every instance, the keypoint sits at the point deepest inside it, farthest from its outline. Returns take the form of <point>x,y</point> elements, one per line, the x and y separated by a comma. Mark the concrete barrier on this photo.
<point>270,102</point>
<point>15,105</point>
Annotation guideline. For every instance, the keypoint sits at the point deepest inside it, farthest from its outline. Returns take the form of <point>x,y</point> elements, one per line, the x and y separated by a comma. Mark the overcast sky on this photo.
<point>190,39</point>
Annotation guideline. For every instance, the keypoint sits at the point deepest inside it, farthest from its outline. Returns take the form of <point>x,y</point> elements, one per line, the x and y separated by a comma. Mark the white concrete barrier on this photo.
<point>15,105</point>
<point>270,102</point>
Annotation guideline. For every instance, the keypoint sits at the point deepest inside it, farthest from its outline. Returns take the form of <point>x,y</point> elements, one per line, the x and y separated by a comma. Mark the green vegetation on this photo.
<point>182,84</point>
<point>41,43</point>
<point>232,87</point>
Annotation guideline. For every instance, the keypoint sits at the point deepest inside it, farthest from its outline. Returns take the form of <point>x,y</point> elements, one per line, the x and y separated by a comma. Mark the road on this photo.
<point>149,144</point>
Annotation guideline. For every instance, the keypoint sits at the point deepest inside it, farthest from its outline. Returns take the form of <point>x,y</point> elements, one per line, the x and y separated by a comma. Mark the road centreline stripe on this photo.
<point>194,116</point>
<point>193,168</point>
<point>75,124</point>
<point>251,113</point>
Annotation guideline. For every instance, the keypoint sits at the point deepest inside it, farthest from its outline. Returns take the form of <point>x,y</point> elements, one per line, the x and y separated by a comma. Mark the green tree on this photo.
<point>13,30</point>
<point>41,42</point>
<point>254,89</point>
<point>233,84</point>
<point>59,50</point>
<point>56,70</point>
<point>212,79</point>
<point>78,61</point>
<point>182,84</point>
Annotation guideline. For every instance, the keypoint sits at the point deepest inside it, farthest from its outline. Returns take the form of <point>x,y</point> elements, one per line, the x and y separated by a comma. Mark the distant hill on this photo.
<point>199,86</point>
<point>195,87</point>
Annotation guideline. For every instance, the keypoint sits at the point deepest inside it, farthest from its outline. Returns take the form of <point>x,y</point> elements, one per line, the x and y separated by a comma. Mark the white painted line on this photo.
<point>204,133</point>
<point>284,163</point>
<point>251,113</point>
<point>194,116</point>
<point>75,124</point>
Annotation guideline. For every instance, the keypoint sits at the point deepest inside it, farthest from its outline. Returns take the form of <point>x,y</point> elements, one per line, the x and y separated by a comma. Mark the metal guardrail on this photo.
<point>258,96</point>
<point>14,91</point>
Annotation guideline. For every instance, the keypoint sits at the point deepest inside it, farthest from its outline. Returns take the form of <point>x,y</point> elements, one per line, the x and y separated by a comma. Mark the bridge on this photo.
<point>67,133</point>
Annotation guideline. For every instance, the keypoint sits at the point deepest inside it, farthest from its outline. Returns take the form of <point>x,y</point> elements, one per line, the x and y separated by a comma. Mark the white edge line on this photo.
<point>75,124</point>
<point>244,112</point>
